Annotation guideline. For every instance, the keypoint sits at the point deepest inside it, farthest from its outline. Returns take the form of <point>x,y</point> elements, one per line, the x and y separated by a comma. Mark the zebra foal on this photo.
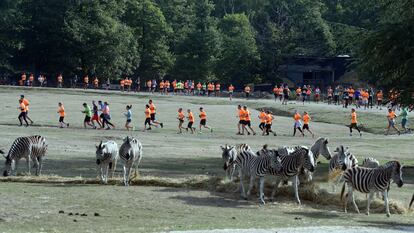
<point>231,157</point>
<point>106,159</point>
<point>371,180</point>
<point>30,148</point>
<point>130,153</point>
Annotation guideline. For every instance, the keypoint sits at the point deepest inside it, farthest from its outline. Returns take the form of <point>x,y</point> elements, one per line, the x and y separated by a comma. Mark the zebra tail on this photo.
<point>342,191</point>
<point>411,202</point>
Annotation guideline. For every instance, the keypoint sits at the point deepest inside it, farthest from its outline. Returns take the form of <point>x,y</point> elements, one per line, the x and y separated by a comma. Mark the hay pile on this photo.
<point>309,192</point>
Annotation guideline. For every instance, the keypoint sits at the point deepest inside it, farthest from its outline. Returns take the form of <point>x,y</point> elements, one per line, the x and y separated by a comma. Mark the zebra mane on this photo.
<point>395,163</point>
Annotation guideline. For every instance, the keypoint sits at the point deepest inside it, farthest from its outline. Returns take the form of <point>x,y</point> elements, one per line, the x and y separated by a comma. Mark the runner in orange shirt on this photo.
<point>380,97</point>
<point>61,111</point>
<point>167,87</point>
<point>247,92</point>
<point>231,90</point>
<point>190,117</point>
<point>147,118</point>
<point>26,104</point>
<point>298,124</point>
<point>122,84</point>
<point>247,120</point>
<point>22,115</point>
<point>153,110</point>
<point>306,119</point>
<point>269,120</point>
<point>85,82</point>
<point>262,117</point>
<point>391,121</point>
<point>365,96</point>
<point>242,122</point>
<point>298,93</point>
<point>218,88</point>
<point>351,92</point>
<point>203,120</point>
<point>276,92</point>
<point>162,86</point>
<point>96,83</point>
<point>210,89</point>
<point>180,118</point>
<point>199,86</point>
<point>354,123</point>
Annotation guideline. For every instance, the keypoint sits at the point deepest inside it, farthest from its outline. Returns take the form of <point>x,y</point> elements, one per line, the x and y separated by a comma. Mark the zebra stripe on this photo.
<point>370,163</point>
<point>253,166</point>
<point>130,153</point>
<point>292,164</point>
<point>30,148</point>
<point>371,180</point>
<point>106,159</point>
<point>231,157</point>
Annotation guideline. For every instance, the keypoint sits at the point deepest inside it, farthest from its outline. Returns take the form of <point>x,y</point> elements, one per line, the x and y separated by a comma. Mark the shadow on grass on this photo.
<point>214,200</point>
<point>315,214</point>
<point>403,227</point>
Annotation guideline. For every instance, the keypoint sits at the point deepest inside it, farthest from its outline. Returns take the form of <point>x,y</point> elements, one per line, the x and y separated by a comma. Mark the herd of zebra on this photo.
<point>34,148</point>
<point>283,163</point>
<point>286,163</point>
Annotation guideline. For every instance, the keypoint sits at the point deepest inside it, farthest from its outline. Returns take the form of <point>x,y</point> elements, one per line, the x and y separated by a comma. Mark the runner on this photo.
<point>22,114</point>
<point>298,92</point>
<point>218,89</point>
<point>96,83</point>
<point>85,82</point>
<point>391,121</point>
<point>306,120</point>
<point>317,94</point>
<point>337,93</point>
<point>276,92</point>
<point>231,89</point>
<point>380,97</point>
<point>199,86</point>
<point>106,117</point>
<point>286,93</point>
<point>167,87</point>
<point>23,79</point>
<point>351,93</point>
<point>203,120</point>
<point>95,117</point>
<point>330,95</point>
<point>298,124</point>
<point>210,88</point>
<point>88,114</point>
<point>242,124</point>
<point>268,128</point>
<point>262,116</point>
<point>161,87</point>
<point>354,123</point>
<point>122,84</point>
<point>61,111</point>
<point>365,97</point>
<point>153,112</point>
<point>190,118</point>
<point>31,80</point>
<point>60,81</point>
<point>304,91</point>
<point>147,118</point>
<point>404,119</point>
<point>180,118</point>
<point>247,120</point>
<point>247,92</point>
<point>26,104</point>
<point>128,115</point>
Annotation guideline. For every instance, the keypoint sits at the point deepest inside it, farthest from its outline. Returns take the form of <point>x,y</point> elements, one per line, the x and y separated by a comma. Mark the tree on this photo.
<point>387,54</point>
<point>198,53</point>
<point>239,58</point>
<point>150,31</point>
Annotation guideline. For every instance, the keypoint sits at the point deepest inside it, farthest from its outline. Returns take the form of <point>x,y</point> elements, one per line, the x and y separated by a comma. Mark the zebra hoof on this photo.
<point>388,215</point>
<point>367,213</point>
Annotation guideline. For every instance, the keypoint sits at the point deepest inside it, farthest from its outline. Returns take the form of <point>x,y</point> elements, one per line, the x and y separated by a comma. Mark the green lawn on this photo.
<point>35,207</point>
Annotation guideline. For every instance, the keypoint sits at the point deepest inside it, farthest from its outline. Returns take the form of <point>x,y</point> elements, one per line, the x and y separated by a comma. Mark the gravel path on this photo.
<point>336,229</point>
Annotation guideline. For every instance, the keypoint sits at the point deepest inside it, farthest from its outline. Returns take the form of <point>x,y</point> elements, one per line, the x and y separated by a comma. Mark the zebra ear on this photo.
<point>326,141</point>
<point>222,148</point>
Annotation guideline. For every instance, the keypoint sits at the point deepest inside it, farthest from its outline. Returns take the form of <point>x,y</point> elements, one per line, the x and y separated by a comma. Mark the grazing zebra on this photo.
<point>253,166</point>
<point>106,158</point>
<point>342,160</point>
<point>292,165</point>
<point>130,153</point>
<point>31,147</point>
<point>230,157</point>
<point>371,180</point>
<point>320,147</point>
<point>370,163</point>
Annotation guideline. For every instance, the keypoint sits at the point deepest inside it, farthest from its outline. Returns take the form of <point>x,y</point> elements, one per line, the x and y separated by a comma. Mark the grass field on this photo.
<point>35,206</point>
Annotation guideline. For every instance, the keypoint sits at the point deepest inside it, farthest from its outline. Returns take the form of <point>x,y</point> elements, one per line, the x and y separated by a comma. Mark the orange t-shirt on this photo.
<point>203,115</point>
<point>351,92</point>
<point>391,115</point>
<point>247,115</point>
<point>152,108</point>
<point>122,82</point>
<point>297,117</point>
<point>61,111</point>
<point>26,103</point>
<point>242,115</point>
<point>306,119</point>
<point>147,113</point>
<point>22,107</point>
<point>161,85</point>
<point>269,118</point>
<point>181,116</point>
<point>190,117</point>
<point>275,90</point>
<point>354,118</point>
<point>262,117</point>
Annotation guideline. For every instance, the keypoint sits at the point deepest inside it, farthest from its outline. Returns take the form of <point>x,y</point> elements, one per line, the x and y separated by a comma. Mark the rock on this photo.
<point>70,214</point>
<point>75,220</point>
<point>61,212</point>
<point>298,218</point>
<point>76,213</point>
<point>84,215</point>
<point>233,217</point>
<point>96,214</point>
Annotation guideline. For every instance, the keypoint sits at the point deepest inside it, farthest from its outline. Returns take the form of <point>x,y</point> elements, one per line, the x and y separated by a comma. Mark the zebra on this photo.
<point>106,159</point>
<point>251,165</point>
<point>342,160</point>
<point>130,153</point>
<point>370,163</point>
<point>292,164</point>
<point>371,180</point>
<point>238,148</point>
<point>411,202</point>
<point>30,147</point>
